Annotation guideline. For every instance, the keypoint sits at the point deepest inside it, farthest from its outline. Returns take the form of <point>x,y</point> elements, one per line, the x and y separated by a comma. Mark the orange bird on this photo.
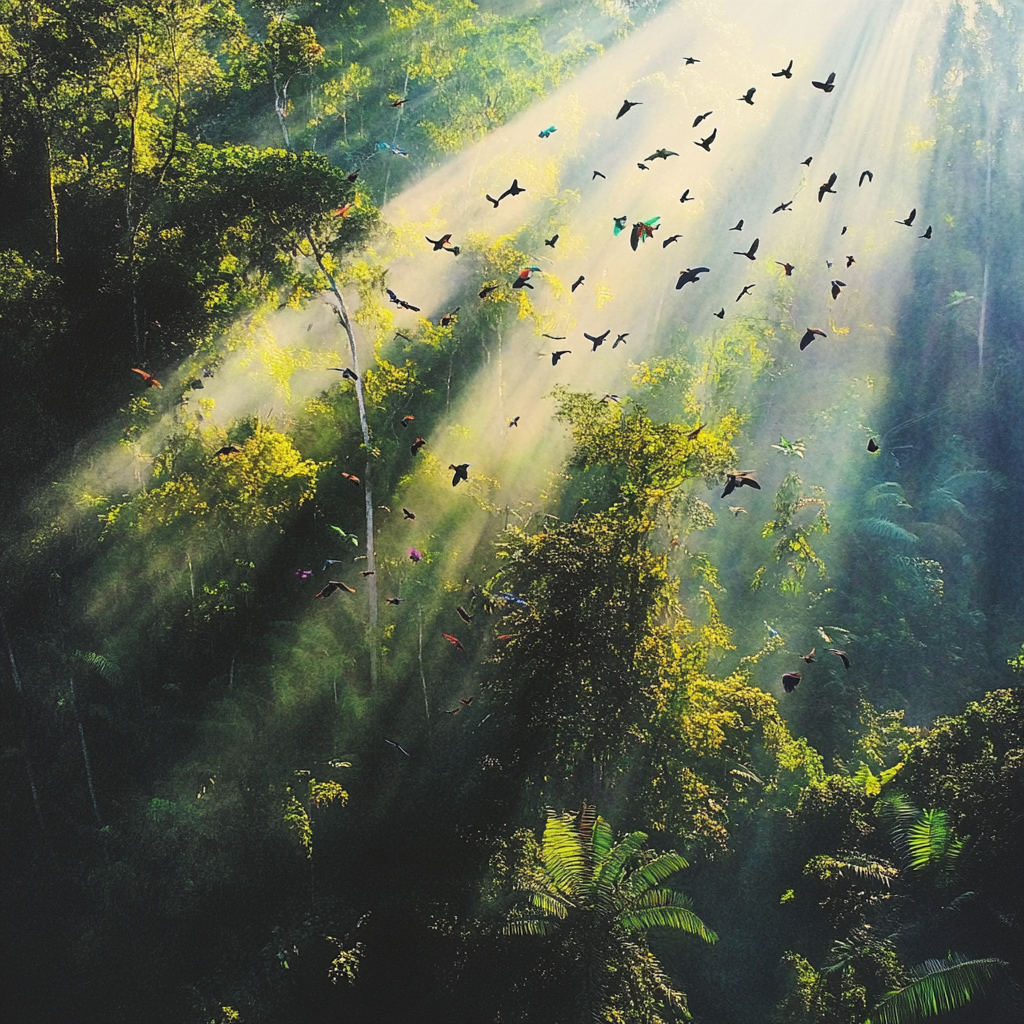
<point>351,478</point>
<point>150,380</point>
<point>333,586</point>
<point>454,641</point>
<point>344,211</point>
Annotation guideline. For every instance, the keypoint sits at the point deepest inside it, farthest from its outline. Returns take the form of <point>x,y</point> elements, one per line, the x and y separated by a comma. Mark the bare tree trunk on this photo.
<point>423,678</point>
<point>984,280</point>
<point>85,757</point>
<point>981,321</point>
<point>24,743</point>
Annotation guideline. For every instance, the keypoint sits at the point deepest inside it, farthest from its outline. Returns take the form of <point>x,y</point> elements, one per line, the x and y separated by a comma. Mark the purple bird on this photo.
<point>416,556</point>
<point>304,574</point>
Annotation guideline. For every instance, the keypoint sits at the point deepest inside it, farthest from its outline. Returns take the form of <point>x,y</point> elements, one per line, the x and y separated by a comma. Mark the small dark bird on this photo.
<point>346,373</point>
<point>401,303</point>
<point>598,174</point>
<point>873,445</point>
<point>555,356</point>
<point>228,449</point>
<point>198,385</point>
<point>661,154</point>
<point>787,267</point>
<point>151,381</point>
<point>626,107</point>
<point>750,252</point>
<point>579,280</point>
<point>398,102</point>
<point>554,337</point>
<point>465,701</point>
<point>927,234</point>
<point>687,198</point>
<point>863,175</point>
<point>484,292</point>
<point>720,314</point>
<point>828,85</point>
<point>786,72</point>
<point>461,472</point>
<point>449,318</point>
<point>705,144</point>
<point>367,572</point>
<point>809,658</point>
<point>597,341</point>
<point>842,656</point>
<point>843,232</point>
<point>693,434</point>
<point>690,275</point>
<point>407,514</point>
<point>734,480</point>
<point>406,420</point>
<point>837,286</point>
<point>328,562</point>
<point>454,641</point>
<point>399,334</point>
<point>514,422</point>
<point>668,241</point>
<point>415,447</point>
<point>395,600</point>
<point>551,241</point>
<point>690,60</point>
<point>453,711</point>
<point>827,187</point>
<point>398,746</point>
<point>738,226</point>
<point>807,162</point>
<point>809,335</point>
<point>609,398</point>
<point>783,206</point>
<point>828,263</point>
<point>334,585</point>
<point>351,478</point>
<point>748,96</point>
<point>620,340</point>
<point>464,615</point>
<point>909,221</point>
<point>512,190</point>
<point>439,243</point>
<point>790,681</point>
<point>643,167</point>
<point>701,117</point>
<point>746,291</point>
<point>850,262</point>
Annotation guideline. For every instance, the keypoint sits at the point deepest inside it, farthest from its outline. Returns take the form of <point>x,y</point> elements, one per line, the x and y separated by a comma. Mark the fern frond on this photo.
<point>930,841</point>
<point>528,926</point>
<point>870,869</point>
<point>939,987</point>
<point>610,871</point>
<point>886,529</point>
<point>562,853</point>
<point>107,668</point>
<point>656,871</point>
<point>678,918</point>
<point>550,905</point>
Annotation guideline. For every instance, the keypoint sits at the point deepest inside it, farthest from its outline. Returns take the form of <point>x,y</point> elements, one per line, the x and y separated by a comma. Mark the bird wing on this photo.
<point>634,236</point>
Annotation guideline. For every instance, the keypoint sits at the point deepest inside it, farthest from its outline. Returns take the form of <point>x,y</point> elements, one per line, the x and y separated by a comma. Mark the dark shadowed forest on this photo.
<point>510,511</point>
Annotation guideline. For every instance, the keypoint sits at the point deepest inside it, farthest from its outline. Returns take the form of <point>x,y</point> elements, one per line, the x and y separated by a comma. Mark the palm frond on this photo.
<point>939,987</point>
<point>528,926</point>
<point>656,871</point>
<point>974,478</point>
<point>603,840</point>
<point>881,493</point>
<point>550,905</point>
<point>678,918</point>
<point>107,668</point>
<point>562,853</point>
<point>930,841</point>
<point>870,869</point>
<point>610,871</point>
<point>588,815</point>
<point>886,529</point>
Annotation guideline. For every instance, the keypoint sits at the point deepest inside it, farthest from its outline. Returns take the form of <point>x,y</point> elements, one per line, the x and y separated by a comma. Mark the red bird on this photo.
<point>352,479</point>
<point>344,211</point>
<point>150,380</point>
<point>454,641</point>
<point>417,445</point>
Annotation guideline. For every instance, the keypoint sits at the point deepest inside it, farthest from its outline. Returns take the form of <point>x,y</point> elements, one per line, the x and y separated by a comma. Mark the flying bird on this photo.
<point>547,132</point>
<point>734,480</point>
<point>807,162</point>
<point>439,243</point>
<point>701,117</point>
<point>750,252</point>
<point>783,206</point>
<point>748,96</point>
<point>687,198</point>
<point>461,472</point>
<point>643,167</point>
<point>598,340</point>
<point>809,658</point>
<point>837,287</point>
<point>842,656</point>
<point>513,190</point>
<point>720,314</point>
<point>415,447</point>
<point>690,60</point>
<point>927,234</point>
<point>406,420</point>
<point>738,226</point>
<point>746,291</point>
<point>401,303</point>
<point>344,211</point>
<point>351,478</point>
<point>397,746</point>
<point>513,422</point>
<point>454,641</point>
<point>415,555</point>
<point>523,280</point>
<point>909,221</point>
<point>151,381</point>
<point>579,280</point>
<point>449,318</point>
<point>705,144</point>
<point>827,187</point>
<point>642,230</point>
<point>453,711</point>
<point>551,241</point>
<point>668,241</point>
<point>485,291</point>
<point>661,154</point>
<point>790,681</point>
<point>554,337</point>
<point>786,72</point>
<point>737,510</point>
<point>464,615</point>
<point>398,102</point>
<point>620,340</point>
<point>787,267</point>
<point>843,232</point>
<point>228,449</point>
<point>626,107</point>
<point>828,85</point>
<point>465,701</point>
<point>334,585</point>
<point>328,562</point>
<point>555,356</point>
<point>693,434</point>
<point>873,445</point>
<point>690,275</point>
<point>863,175</point>
<point>850,262</point>
<point>368,572</point>
<point>407,514</point>
<point>809,335</point>
<point>394,600</point>
<point>598,174</point>
<point>619,224</point>
<point>346,373</point>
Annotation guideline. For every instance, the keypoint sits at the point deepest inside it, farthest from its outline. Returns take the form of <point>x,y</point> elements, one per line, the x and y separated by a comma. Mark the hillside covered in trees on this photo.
<point>595,598</point>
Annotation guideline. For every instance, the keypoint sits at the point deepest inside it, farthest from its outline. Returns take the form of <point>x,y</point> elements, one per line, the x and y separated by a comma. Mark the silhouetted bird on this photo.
<point>439,243</point>
<point>738,226</point>
<point>746,291</point>
<point>701,117</point>
<point>809,658</point>
<point>790,681</point>
<point>464,615</point>
<point>555,356</point>
<point>597,340</point>
<point>449,318</point>
<point>406,514</point>
<point>783,206</point>
<point>661,154</point>
<point>461,472</point>
<point>750,252</point>
<point>927,234</point>
<point>842,656</point>
<point>909,221</point>
<point>787,267</point>
<point>827,187</point>
<point>843,232</point>
<point>690,275</point>
<point>828,85</point>
<point>690,60</point>
<point>786,72</point>
<point>627,106</point>
<point>642,230</point>
<point>687,198</point>
<point>554,337</point>
<point>720,314</point>
<point>809,335</point>
<point>850,262</point>
<point>619,224</point>
<point>454,641</point>
<point>598,174</point>
<point>484,292</point>
<point>512,190</point>
<point>873,445</point>
<point>401,302</point>
<point>415,447</point>
<point>668,241</point>
<point>693,434</point>
<point>734,480</point>
<point>406,420</point>
<point>579,280</point>
<point>705,144</point>
<point>837,286</point>
<point>863,175</point>
<point>546,134</point>
<point>551,241</point>
<point>643,167</point>
<point>748,96</point>
<point>351,478</point>
<point>738,510</point>
<point>395,600</point>
<point>807,162</point>
<point>228,449</point>
<point>514,422</point>
<point>620,339</point>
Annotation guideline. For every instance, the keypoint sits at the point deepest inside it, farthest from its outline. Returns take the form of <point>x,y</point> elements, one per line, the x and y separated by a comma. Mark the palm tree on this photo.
<point>585,892</point>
